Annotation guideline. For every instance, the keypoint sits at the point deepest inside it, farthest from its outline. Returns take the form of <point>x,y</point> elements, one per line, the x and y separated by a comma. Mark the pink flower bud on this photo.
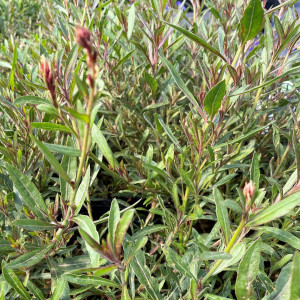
<point>47,74</point>
<point>249,190</point>
<point>83,38</point>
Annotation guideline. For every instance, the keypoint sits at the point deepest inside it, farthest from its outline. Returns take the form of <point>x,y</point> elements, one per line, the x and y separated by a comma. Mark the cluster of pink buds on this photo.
<point>83,39</point>
<point>48,76</point>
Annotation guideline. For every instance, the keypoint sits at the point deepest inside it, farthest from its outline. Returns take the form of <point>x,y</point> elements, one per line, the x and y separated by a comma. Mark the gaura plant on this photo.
<point>151,152</point>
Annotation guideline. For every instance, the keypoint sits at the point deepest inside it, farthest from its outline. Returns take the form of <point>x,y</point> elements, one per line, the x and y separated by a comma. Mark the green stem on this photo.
<point>228,248</point>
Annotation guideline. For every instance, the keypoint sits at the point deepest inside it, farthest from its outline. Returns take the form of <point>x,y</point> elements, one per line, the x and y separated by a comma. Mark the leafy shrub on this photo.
<point>189,122</point>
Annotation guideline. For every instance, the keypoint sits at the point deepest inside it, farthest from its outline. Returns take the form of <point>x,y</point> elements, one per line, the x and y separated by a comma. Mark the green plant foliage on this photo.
<point>148,152</point>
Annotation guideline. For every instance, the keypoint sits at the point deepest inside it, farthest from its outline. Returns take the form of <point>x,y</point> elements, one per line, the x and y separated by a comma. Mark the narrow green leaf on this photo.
<point>215,256</point>
<point>50,157</point>
<point>105,270</point>
<point>131,19</point>
<point>81,86</point>
<point>59,289</point>
<point>169,133</point>
<point>222,214</point>
<point>188,181</point>
<point>240,138</point>
<point>148,230</point>
<point>237,253</point>
<point>34,225</point>
<point>252,20</point>
<point>50,126</point>
<point>179,81</point>
<point>28,191</point>
<point>254,171</point>
<point>12,279</point>
<point>100,140</point>
<point>82,191</point>
<point>70,64</point>
<point>90,280</point>
<point>125,294</point>
<point>150,80</point>
<point>275,211</point>
<point>113,220</point>
<point>143,274</point>
<point>35,290</point>
<point>197,39</point>
<point>213,99</point>
<point>121,230</point>
<point>62,149</point>
<point>69,164</point>
<point>31,100</point>
<point>247,272</point>
<point>122,61</point>
<point>179,264</point>
<point>269,42</point>
<point>295,286</point>
<point>138,244</point>
<point>30,259</point>
<point>282,235</point>
<point>88,226</point>
<point>48,109</point>
<point>82,117</point>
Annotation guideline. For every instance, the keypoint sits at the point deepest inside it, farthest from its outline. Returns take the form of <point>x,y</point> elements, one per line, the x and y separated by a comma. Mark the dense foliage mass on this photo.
<point>149,152</point>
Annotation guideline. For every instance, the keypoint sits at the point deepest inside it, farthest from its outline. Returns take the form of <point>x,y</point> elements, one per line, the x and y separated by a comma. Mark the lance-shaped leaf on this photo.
<point>50,157</point>
<point>29,259</point>
<point>197,39</point>
<point>31,100</point>
<point>179,264</point>
<point>275,211</point>
<point>35,290</point>
<point>12,279</point>
<point>252,20</point>
<point>50,126</point>
<point>34,225</point>
<point>247,272</point>
<point>28,191</point>
<point>100,140</point>
<point>222,214</point>
<point>121,231</point>
<point>88,226</point>
<point>143,274</point>
<point>254,171</point>
<point>60,287</point>
<point>295,286</point>
<point>138,244</point>
<point>90,280</point>
<point>213,99</point>
<point>179,81</point>
<point>82,191</point>
<point>113,220</point>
